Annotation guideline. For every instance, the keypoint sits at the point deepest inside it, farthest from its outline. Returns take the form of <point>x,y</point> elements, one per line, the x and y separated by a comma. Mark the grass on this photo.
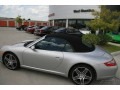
<point>111,48</point>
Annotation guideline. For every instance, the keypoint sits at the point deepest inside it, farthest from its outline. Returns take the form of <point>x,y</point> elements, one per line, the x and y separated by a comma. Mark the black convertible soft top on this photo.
<point>75,40</point>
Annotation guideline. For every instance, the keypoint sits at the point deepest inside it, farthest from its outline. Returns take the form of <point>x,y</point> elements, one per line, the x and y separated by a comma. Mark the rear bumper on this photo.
<point>35,32</point>
<point>31,31</point>
<point>105,72</point>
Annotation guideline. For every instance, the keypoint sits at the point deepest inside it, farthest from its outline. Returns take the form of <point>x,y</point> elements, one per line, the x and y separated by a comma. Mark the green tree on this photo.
<point>19,19</point>
<point>105,20</point>
<point>23,19</point>
<point>29,19</point>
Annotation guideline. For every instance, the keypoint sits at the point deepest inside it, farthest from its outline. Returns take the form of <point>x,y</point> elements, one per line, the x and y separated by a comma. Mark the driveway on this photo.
<point>31,77</point>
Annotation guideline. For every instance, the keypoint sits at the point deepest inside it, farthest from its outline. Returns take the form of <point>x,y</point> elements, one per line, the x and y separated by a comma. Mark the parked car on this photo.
<point>85,30</point>
<point>61,54</point>
<point>60,30</point>
<point>45,30</point>
<point>67,31</point>
<point>37,29</point>
<point>115,36</point>
<point>31,29</point>
<point>22,27</point>
<point>25,29</point>
<point>78,26</point>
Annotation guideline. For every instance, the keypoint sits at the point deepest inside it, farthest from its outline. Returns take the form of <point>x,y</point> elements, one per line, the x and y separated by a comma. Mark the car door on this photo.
<point>46,55</point>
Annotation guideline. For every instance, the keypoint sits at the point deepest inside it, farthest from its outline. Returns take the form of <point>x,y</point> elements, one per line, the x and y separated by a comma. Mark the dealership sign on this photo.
<point>52,14</point>
<point>83,10</point>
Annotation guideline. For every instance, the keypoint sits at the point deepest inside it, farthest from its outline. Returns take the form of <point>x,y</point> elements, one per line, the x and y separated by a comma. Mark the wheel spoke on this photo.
<point>7,64</point>
<point>85,71</point>
<point>10,57</point>
<point>7,59</point>
<point>88,77</point>
<point>77,71</point>
<point>14,61</point>
<point>82,81</point>
<point>76,77</point>
<point>12,66</point>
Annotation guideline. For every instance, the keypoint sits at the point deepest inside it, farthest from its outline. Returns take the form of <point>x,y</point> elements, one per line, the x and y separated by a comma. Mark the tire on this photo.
<point>11,61</point>
<point>35,34</point>
<point>82,75</point>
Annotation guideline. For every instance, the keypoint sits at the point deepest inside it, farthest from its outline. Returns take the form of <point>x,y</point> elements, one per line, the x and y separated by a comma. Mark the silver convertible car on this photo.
<point>61,54</point>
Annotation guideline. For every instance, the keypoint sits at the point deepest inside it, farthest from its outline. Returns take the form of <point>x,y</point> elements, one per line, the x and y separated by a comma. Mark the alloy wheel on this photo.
<point>10,61</point>
<point>82,75</point>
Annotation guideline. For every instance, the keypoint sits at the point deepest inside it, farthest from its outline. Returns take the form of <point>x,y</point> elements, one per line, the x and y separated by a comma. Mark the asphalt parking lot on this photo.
<point>31,77</point>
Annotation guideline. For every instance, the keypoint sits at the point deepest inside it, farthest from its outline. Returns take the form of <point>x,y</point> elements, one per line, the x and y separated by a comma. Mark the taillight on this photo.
<point>41,31</point>
<point>111,63</point>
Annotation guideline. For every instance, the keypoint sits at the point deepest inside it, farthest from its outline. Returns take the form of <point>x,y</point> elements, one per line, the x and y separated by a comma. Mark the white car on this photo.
<point>85,31</point>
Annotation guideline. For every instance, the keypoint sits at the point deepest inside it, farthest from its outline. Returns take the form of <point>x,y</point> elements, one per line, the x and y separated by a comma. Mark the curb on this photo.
<point>115,53</point>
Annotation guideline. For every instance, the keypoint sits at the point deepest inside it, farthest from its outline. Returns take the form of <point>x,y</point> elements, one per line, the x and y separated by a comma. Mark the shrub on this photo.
<point>104,39</point>
<point>91,39</point>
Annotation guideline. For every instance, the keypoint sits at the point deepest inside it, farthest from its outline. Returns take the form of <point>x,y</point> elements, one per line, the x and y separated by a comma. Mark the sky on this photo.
<point>34,12</point>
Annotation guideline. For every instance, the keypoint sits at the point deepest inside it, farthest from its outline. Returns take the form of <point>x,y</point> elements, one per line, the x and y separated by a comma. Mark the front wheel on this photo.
<point>82,75</point>
<point>11,61</point>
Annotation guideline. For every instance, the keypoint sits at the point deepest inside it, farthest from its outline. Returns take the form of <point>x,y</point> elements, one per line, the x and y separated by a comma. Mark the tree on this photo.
<point>105,20</point>
<point>19,19</point>
<point>23,19</point>
<point>29,19</point>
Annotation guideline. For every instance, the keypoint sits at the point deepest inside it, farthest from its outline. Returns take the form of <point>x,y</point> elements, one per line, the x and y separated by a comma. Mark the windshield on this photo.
<point>27,43</point>
<point>116,32</point>
<point>33,41</point>
<point>45,27</point>
<point>60,29</point>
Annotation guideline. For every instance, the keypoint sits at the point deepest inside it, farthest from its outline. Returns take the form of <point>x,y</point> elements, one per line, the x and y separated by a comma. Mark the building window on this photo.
<point>51,23</point>
<point>60,22</point>
<point>80,22</point>
<point>71,23</point>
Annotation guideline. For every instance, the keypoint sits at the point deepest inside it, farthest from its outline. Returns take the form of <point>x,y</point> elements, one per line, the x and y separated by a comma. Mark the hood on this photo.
<point>18,45</point>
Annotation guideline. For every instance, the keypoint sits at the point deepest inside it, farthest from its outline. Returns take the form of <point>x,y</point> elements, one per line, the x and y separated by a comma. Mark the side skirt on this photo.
<point>44,70</point>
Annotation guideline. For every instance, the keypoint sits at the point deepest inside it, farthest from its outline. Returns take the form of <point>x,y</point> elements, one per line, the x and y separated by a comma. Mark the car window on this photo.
<point>61,30</point>
<point>54,44</point>
<point>115,32</point>
<point>68,48</point>
<point>72,30</point>
<point>44,28</point>
<point>49,28</point>
<point>44,44</point>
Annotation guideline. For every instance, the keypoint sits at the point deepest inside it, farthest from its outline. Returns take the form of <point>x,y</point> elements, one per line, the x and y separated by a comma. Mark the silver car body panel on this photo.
<point>61,62</point>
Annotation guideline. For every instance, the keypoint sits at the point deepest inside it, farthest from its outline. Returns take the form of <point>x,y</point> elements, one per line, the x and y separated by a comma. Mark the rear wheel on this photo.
<point>35,34</point>
<point>11,61</point>
<point>82,74</point>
